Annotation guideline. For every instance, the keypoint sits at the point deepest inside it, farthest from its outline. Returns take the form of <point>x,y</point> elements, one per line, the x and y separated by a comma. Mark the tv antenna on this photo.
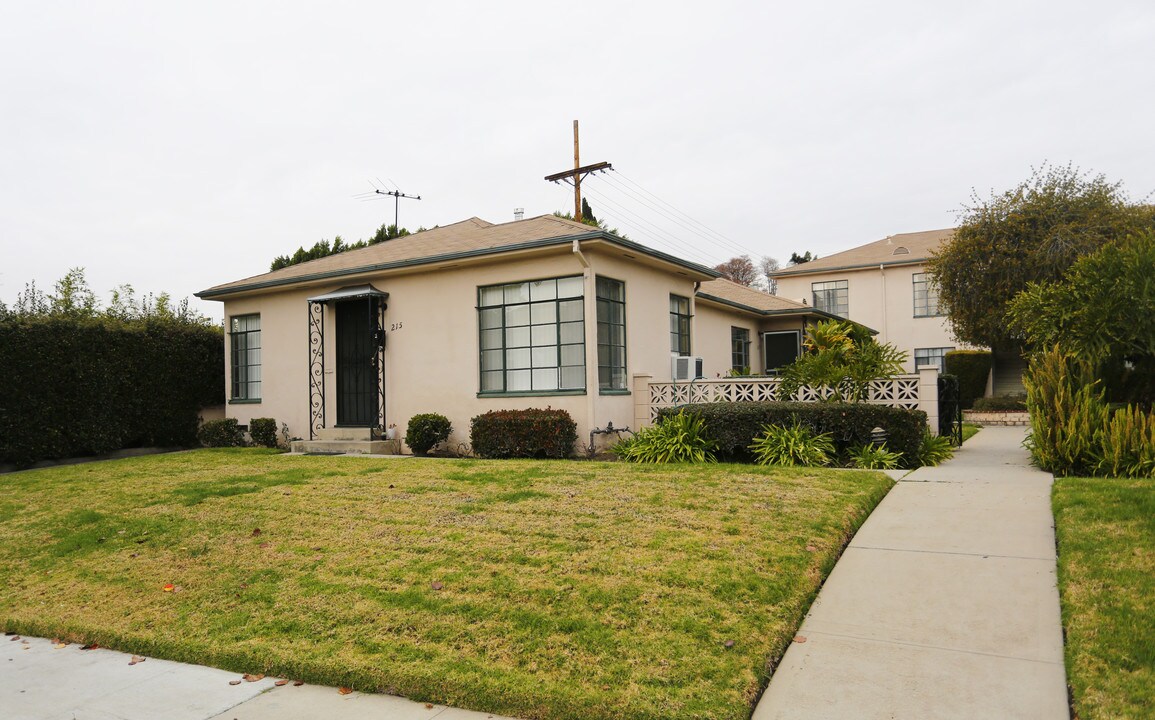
<point>395,193</point>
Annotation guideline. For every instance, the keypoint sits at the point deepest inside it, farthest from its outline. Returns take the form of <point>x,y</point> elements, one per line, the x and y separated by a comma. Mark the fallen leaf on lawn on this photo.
<point>281,683</point>
<point>169,587</point>
<point>256,532</point>
<point>263,545</point>
<point>799,638</point>
<point>729,643</point>
<point>90,646</point>
<point>136,659</point>
<point>344,690</point>
<point>811,548</point>
<point>177,589</point>
<point>253,678</point>
<point>60,645</point>
<point>234,682</point>
<point>436,585</point>
<point>298,683</point>
<point>428,706</point>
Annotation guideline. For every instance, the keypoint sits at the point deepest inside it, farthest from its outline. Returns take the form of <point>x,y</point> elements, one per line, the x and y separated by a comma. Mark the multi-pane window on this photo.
<point>832,297</point>
<point>532,336</point>
<point>925,357</point>
<point>740,349</point>
<point>679,325</point>
<point>611,295</point>
<point>245,341</point>
<point>925,296</point>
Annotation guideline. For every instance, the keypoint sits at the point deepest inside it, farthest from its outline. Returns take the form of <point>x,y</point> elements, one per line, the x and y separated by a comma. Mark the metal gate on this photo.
<point>949,409</point>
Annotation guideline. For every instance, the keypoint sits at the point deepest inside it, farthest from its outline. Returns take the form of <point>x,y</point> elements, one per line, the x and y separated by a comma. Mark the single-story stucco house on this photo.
<point>476,316</point>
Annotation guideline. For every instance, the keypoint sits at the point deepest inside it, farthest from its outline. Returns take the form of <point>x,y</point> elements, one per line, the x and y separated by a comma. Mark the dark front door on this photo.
<point>357,390</point>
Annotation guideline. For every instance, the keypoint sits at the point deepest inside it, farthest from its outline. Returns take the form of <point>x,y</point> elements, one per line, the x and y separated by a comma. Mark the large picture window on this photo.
<point>611,296</point>
<point>832,296</point>
<point>245,356</point>
<point>532,336</point>
<point>925,296</point>
<point>679,325</point>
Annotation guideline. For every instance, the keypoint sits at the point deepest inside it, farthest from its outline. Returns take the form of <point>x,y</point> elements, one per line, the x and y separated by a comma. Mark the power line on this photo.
<point>656,232</point>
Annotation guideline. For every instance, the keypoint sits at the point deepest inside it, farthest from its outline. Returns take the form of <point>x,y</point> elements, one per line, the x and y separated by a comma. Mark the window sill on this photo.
<point>613,392</point>
<point>531,393</point>
<point>244,401</point>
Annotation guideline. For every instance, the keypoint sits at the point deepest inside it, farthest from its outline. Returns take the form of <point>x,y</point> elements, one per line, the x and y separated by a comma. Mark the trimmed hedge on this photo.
<point>221,433</point>
<point>532,433</point>
<point>263,431</point>
<point>426,431</point>
<point>1002,403</point>
<point>735,425</point>
<point>972,368</point>
<point>90,386</point>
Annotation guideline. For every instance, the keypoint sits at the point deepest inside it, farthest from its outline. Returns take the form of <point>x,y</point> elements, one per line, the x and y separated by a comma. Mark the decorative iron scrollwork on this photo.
<point>316,368</point>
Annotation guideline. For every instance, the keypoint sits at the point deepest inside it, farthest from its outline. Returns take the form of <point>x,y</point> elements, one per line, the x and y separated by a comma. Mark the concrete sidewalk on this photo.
<point>39,681</point>
<point>945,604</point>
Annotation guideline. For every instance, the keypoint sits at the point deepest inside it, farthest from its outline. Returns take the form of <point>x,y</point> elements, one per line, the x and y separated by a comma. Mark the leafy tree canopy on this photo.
<point>323,248</point>
<point>588,218</point>
<point>796,259</point>
<point>739,269</point>
<point>1031,233</point>
<point>72,298</point>
<point>1102,311</point>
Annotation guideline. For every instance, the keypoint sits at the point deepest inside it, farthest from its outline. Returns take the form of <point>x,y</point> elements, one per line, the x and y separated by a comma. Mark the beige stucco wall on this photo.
<point>431,355</point>
<point>882,299</point>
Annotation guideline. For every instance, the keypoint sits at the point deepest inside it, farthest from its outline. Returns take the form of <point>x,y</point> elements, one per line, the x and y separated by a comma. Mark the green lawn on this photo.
<point>1106,535</point>
<point>534,589</point>
<point>969,430</point>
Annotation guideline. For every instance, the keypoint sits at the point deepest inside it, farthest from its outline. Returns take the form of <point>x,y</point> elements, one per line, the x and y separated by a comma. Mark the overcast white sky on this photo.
<point>175,146</point>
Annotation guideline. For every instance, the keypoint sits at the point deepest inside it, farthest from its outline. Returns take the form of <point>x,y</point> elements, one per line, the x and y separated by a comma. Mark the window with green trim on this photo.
<point>679,325</point>
<point>532,336</point>
<point>245,354</point>
<point>832,297</point>
<point>740,349</point>
<point>925,296</point>
<point>611,295</point>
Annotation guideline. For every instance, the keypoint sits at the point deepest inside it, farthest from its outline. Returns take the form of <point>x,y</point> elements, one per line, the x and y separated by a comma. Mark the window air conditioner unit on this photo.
<point>685,367</point>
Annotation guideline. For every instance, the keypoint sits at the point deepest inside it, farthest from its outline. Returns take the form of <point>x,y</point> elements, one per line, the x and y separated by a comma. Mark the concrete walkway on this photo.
<point>39,681</point>
<point>945,604</point>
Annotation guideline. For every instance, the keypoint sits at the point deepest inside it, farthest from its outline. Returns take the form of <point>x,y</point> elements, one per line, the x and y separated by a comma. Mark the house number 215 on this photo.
<point>395,326</point>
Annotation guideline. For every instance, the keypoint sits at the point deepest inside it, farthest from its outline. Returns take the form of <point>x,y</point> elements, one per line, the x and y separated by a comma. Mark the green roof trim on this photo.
<point>783,312</point>
<point>431,259</point>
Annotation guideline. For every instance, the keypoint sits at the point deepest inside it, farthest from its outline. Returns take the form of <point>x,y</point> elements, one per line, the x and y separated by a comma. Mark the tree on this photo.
<point>385,232</point>
<point>796,259</point>
<point>739,269</point>
<point>841,360</point>
<point>1031,233</point>
<point>589,219</point>
<point>1103,312</point>
<point>588,213</point>
<point>769,266</point>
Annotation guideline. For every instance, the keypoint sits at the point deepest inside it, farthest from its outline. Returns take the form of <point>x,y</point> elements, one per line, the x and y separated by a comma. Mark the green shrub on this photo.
<point>79,386</point>
<point>1002,403</point>
<point>681,438</point>
<point>425,431</point>
<point>221,433</point>
<point>1126,446</point>
<point>532,433</point>
<point>934,449</point>
<point>792,445</point>
<point>1067,413</point>
<point>874,457</point>
<point>972,368</point>
<point>263,431</point>
<point>735,425</point>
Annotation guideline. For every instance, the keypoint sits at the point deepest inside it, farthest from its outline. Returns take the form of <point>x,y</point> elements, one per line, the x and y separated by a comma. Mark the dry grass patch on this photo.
<point>535,589</point>
<point>1106,536</point>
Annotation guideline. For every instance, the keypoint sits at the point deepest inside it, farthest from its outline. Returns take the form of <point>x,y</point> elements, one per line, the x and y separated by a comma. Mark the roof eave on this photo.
<point>792,272</point>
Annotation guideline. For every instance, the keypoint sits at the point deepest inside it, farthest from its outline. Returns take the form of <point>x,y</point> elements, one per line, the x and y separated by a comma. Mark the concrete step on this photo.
<point>351,447</point>
<point>348,433</point>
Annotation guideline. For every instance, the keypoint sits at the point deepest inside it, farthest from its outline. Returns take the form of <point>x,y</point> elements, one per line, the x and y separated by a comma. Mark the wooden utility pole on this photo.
<point>574,177</point>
